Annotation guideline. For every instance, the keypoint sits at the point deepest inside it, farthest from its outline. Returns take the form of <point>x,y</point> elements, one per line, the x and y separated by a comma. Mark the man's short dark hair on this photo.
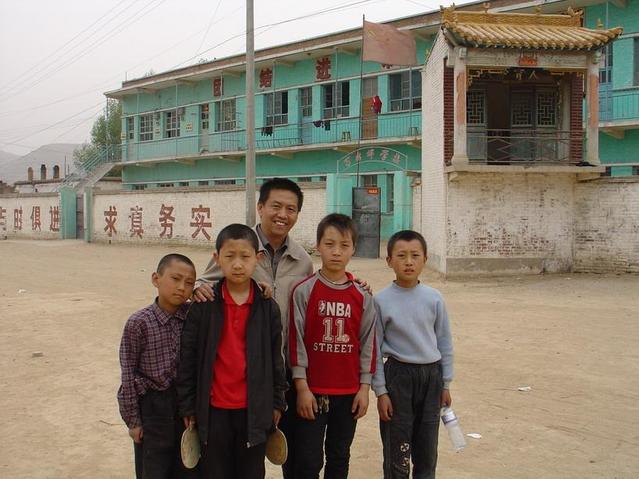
<point>281,184</point>
<point>170,258</point>
<point>342,223</point>
<point>405,235</point>
<point>236,231</point>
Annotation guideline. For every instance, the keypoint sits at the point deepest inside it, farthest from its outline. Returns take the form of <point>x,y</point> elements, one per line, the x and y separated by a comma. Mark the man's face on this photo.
<point>335,249</point>
<point>237,260</point>
<point>174,284</point>
<point>278,214</point>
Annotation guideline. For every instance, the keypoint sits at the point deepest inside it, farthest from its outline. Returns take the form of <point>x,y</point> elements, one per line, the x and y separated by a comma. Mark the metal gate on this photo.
<point>79,217</point>
<point>367,217</point>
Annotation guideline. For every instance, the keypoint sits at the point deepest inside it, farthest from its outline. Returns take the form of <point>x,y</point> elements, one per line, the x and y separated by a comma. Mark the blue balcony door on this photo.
<point>306,115</point>
<point>605,84</point>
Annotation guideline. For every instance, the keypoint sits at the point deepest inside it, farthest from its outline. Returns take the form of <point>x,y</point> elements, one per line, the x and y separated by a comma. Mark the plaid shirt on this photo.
<point>149,354</point>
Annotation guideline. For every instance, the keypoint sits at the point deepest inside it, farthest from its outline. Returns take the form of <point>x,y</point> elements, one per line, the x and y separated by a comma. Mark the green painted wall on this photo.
<point>67,213</point>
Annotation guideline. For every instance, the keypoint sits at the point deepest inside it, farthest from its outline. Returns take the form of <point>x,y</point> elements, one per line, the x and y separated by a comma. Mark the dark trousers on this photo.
<point>158,455</point>
<point>288,425</point>
<point>226,455</point>
<point>331,432</point>
<point>415,392</point>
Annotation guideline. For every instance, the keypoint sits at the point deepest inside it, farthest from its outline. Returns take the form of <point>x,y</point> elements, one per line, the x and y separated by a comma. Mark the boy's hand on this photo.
<point>267,290</point>
<point>277,415</point>
<point>385,407</point>
<point>360,402</point>
<point>188,421</point>
<point>364,284</point>
<point>306,404</point>
<point>445,400</point>
<point>136,434</point>
<point>203,293</point>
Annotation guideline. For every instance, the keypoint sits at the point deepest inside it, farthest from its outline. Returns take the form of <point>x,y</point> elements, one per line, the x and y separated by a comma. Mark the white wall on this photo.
<point>225,206</point>
<point>607,226</point>
<point>26,207</point>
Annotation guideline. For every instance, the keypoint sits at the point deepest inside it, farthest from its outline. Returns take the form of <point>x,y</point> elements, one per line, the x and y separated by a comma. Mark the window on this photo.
<point>146,127</point>
<point>405,91</point>
<point>390,193</point>
<point>203,183</point>
<point>336,99</point>
<point>139,187</point>
<point>306,102</point>
<point>204,117</point>
<point>304,179</point>
<point>224,182</point>
<point>369,180</point>
<point>226,117</point>
<point>635,170</point>
<point>165,185</point>
<point>130,128</point>
<point>171,124</point>
<point>276,107</point>
<point>605,72</point>
<point>183,183</point>
<point>636,77</point>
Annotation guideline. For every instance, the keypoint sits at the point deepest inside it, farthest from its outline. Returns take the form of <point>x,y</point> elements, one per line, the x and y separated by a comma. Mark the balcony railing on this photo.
<point>618,105</point>
<point>400,125</point>
<point>522,146</point>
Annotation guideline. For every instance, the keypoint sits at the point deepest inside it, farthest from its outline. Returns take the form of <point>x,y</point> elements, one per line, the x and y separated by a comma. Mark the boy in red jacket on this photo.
<point>332,349</point>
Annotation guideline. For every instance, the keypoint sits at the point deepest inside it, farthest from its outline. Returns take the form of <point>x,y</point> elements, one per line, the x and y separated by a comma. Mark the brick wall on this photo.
<point>523,216</point>
<point>30,216</point>
<point>449,111</point>
<point>190,216</point>
<point>433,189</point>
<point>576,117</point>
<point>607,226</point>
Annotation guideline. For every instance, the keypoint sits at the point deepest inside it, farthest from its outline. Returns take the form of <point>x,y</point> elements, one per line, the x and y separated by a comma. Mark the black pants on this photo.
<point>158,455</point>
<point>288,425</point>
<point>331,432</point>
<point>226,455</point>
<point>415,392</point>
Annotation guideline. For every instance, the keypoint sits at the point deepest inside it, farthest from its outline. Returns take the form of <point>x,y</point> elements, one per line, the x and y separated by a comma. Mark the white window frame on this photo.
<point>226,115</point>
<point>410,95</point>
<point>146,127</point>
<point>334,105</point>
<point>171,124</point>
<point>276,108</point>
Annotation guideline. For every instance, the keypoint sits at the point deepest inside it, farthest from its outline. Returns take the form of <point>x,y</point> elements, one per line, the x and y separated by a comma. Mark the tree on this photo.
<point>105,133</point>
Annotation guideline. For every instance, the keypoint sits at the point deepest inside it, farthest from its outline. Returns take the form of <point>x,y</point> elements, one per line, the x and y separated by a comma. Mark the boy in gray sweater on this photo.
<point>413,332</point>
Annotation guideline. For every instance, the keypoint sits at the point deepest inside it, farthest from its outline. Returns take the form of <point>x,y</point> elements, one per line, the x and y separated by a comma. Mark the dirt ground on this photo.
<point>572,338</point>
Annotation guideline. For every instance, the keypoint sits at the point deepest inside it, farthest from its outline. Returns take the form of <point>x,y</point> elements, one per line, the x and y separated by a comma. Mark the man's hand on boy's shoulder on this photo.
<point>203,293</point>
<point>360,402</point>
<point>446,400</point>
<point>364,285</point>
<point>267,289</point>
<point>385,407</point>
<point>136,434</point>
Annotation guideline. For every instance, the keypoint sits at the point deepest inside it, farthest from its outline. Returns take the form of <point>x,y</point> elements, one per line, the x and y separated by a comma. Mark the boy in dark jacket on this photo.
<point>231,377</point>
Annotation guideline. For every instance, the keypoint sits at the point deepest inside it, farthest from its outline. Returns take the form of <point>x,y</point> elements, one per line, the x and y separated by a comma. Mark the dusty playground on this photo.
<point>571,338</point>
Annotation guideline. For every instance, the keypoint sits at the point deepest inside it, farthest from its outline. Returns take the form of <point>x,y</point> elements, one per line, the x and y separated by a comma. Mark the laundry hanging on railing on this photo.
<point>376,105</point>
<point>267,131</point>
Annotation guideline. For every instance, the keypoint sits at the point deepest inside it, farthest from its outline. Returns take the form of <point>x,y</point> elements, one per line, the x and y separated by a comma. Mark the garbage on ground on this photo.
<point>20,291</point>
<point>474,435</point>
<point>524,389</point>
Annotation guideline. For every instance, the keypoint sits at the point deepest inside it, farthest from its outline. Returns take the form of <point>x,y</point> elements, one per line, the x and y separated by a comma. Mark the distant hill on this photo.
<point>14,168</point>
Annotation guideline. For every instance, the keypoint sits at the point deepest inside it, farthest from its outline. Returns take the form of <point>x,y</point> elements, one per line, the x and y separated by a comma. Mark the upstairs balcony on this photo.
<point>283,140</point>
<point>618,111</point>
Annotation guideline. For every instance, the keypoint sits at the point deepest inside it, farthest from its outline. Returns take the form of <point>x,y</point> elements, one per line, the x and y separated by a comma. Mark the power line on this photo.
<point>40,66</point>
<point>209,27</point>
<point>117,29</point>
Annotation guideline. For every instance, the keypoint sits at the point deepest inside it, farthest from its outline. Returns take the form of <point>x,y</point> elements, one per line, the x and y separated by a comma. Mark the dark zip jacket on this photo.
<point>265,370</point>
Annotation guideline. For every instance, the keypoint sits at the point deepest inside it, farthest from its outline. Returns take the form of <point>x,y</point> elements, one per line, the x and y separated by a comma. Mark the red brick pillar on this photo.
<point>449,111</point>
<point>576,118</point>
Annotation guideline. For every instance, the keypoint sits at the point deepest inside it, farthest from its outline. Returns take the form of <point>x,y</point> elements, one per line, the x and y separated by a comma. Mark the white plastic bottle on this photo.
<point>454,430</point>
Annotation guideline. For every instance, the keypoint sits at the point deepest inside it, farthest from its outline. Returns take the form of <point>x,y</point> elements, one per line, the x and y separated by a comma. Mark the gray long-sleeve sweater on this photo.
<point>412,327</point>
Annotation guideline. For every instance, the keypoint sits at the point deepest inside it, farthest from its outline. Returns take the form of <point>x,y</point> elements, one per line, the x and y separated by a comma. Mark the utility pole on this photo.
<point>250,116</point>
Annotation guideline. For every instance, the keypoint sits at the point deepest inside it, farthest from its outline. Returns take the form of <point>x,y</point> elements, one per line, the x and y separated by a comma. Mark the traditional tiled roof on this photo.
<point>524,30</point>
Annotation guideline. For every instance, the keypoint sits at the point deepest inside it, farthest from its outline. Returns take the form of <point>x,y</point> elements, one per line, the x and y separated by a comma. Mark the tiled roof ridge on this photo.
<point>570,19</point>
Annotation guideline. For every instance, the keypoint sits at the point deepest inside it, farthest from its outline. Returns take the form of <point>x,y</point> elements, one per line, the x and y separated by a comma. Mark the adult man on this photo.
<point>284,264</point>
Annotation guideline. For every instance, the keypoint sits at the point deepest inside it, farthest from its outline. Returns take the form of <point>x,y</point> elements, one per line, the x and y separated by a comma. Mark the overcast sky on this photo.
<point>58,58</point>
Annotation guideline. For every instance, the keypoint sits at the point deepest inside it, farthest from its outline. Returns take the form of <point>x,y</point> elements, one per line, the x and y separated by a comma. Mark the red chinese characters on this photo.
<point>199,216</point>
<point>266,77</point>
<point>166,221</point>
<point>323,68</point>
<point>218,86</point>
<point>110,217</point>
<point>17,219</point>
<point>54,214</point>
<point>35,219</point>
<point>136,222</point>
